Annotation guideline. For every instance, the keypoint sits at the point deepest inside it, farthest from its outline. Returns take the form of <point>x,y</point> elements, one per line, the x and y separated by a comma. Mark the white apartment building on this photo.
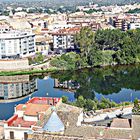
<point>64,39</point>
<point>134,25</point>
<point>16,44</point>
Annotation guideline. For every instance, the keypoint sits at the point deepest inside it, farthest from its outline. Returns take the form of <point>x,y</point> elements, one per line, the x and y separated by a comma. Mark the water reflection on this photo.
<point>69,86</point>
<point>12,87</point>
<point>18,90</point>
<point>120,83</point>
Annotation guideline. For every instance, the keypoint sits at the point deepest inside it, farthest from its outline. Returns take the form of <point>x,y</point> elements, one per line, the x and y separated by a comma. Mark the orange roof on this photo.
<point>44,100</point>
<point>34,109</point>
<point>20,107</point>
<point>73,30</point>
<point>22,123</point>
<point>45,29</point>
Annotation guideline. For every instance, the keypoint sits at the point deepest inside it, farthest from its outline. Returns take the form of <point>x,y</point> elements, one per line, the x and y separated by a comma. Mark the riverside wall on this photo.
<point>14,65</point>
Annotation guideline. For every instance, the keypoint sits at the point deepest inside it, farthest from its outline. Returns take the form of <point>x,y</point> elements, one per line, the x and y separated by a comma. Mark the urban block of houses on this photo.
<point>26,117</point>
<point>48,118</point>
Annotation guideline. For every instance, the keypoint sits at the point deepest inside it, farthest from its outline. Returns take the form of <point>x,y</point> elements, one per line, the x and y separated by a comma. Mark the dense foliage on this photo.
<point>109,47</point>
<point>38,58</point>
<point>137,10</point>
<point>68,61</point>
<point>136,108</point>
<point>89,104</point>
<point>105,47</point>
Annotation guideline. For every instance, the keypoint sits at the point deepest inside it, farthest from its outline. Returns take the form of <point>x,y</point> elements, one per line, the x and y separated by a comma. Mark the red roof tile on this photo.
<point>34,109</point>
<point>20,122</point>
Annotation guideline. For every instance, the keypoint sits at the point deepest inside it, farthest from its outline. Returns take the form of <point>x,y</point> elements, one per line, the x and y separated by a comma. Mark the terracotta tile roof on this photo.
<point>73,30</point>
<point>45,29</point>
<point>43,100</point>
<point>20,107</point>
<point>34,109</point>
<point>20,122</point>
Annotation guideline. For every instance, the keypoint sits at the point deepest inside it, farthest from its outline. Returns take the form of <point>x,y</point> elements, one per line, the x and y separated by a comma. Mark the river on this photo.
<point>119,84</point>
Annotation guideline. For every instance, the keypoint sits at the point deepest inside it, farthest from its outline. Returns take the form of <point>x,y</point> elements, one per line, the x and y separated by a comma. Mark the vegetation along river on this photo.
<point>119,84</point>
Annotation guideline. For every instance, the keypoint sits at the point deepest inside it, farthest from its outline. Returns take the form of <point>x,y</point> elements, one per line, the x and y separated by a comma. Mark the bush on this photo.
<point>64,99</point>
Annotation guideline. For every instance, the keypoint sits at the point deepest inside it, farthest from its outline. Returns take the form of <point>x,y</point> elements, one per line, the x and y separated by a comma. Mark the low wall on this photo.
<point>12,65</point>
<point>136,126</point>
<point>14,79</point>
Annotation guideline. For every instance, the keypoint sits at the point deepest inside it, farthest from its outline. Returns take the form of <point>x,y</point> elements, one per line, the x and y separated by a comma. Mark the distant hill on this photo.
<point>73,2</point>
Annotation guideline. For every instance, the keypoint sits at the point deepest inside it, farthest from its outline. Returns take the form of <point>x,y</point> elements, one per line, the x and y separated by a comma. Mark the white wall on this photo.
<point>80,119</point>
<point>19,113</point>
<point>18,132</point>
<point>134,25</point>
<point>13,47</point>
<point>30,118</point>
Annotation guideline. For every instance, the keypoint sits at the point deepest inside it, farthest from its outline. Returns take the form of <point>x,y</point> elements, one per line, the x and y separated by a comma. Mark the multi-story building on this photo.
<point>134,25</point>
<point>63,39</point>
<point>42,44</point>
<point>28,116</point>
<point>119,23</point>
<point>16,44</point>
<point>16,86</point>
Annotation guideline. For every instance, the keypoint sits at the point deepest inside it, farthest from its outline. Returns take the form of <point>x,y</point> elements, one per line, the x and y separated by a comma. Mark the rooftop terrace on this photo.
<point>16,121</point>
<point>44,100</point>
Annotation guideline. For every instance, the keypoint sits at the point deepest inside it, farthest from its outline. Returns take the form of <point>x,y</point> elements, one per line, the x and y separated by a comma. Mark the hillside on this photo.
<point>71,2</point>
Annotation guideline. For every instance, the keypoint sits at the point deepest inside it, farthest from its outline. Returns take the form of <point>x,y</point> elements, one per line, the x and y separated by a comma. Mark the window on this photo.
<point>11,135</point>
<point>25,136</point>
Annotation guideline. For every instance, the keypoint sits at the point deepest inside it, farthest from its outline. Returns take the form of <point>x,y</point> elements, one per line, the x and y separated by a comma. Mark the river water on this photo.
<point>119,84</point>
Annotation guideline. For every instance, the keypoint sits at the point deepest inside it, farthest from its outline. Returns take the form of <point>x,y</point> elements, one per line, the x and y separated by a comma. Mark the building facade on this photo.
<point>16,86</point>
<point>134,25</point>
<point>16,44</point>
<point>28,116</point>
<point>64,39</point>
<point>119,23</point>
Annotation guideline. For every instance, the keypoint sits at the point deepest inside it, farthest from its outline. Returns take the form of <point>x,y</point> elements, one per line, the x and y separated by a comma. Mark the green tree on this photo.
<point>85,39</point>
<point>90,104</point>
<point>39,58</point>
<point>64,99</point>
<point>80,102</point>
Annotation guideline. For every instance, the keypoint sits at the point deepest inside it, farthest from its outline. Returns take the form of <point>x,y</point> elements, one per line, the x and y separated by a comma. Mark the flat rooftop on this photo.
<point>32,109</point>
<point>16,121</point>
<point>44,100</point>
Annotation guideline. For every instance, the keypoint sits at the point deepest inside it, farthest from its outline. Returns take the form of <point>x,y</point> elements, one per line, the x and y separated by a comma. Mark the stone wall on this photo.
<point>14,79</point>
<point>12,65</point>
<point>54,137</point>
<point>136,126</point>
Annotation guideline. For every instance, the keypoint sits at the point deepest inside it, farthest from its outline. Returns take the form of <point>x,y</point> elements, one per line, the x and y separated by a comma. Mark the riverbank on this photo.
<point>53,69</point>
<point>24,72</point>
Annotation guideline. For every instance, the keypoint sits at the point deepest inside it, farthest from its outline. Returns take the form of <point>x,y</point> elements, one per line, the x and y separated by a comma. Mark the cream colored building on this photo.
<point>42,44</point>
